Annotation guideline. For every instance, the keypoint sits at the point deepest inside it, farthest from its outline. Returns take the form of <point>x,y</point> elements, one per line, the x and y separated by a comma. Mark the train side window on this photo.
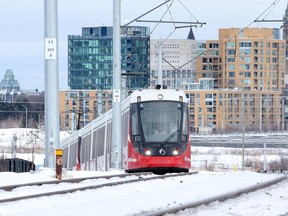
<point>137,139</point>
<point>135,124</point>
<point>185,125</point>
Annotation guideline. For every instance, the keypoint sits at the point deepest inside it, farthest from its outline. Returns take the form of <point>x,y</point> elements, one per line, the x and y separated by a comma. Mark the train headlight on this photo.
<point>176,151</point>
<point>147,152</point>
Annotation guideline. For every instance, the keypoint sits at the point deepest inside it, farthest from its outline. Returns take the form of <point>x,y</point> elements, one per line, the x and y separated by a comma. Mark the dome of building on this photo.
<point>9,84</point>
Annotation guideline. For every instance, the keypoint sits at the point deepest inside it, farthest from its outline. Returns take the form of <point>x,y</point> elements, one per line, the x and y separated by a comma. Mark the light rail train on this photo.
<point>155,135</point>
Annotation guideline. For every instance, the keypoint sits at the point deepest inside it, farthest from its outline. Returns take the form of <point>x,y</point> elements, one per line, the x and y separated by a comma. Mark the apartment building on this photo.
<point>79,107</point>
<point>234,110</point>
<point>245,71</point>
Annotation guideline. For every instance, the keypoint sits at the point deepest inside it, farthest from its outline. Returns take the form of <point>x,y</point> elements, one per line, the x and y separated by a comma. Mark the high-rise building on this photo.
<point>285,28</point>
<point>178,65</point>
<point>90,57</point>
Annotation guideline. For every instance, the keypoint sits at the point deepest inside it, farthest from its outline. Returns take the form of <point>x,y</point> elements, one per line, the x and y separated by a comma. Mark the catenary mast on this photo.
<point>116,126</point>
<point>52,140</point>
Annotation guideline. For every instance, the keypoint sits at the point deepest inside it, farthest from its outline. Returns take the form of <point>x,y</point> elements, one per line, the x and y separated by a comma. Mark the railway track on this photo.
<point>75,186</point>
<point>70,180</point>
<point>220,198</point>
<point>148,195</point>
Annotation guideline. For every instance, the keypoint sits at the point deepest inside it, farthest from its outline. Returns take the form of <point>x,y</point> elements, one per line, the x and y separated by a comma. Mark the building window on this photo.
<point>245,44</point>
<point>231,67</point>
<point>231,74</point>
<point>209,103</point>
<point>231,52</point>
<point>230,44</point>
<point>247,74</point>
<point>231,60</point>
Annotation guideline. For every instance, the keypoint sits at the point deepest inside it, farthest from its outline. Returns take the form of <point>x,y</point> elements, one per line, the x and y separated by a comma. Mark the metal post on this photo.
<point>52,139</point>
<point>116,126</point>
<point>39,121</point>
<point>265,160</point>
<point>26,117</point>
<point>72,122</point>
<point>243,130</point>
<point>282,113</point>
<point>159,66</point>
<point>99,103</point>
<point>260,121</point>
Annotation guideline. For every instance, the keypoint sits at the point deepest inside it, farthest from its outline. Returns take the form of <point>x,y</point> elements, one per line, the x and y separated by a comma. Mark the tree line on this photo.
<point>13,113</point>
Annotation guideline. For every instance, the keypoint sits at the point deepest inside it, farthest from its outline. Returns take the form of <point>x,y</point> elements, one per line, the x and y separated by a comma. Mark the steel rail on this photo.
<point>72,180</point>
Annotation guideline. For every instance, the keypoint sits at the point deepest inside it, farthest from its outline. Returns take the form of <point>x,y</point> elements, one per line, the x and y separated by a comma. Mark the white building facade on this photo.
<point>178,64</point>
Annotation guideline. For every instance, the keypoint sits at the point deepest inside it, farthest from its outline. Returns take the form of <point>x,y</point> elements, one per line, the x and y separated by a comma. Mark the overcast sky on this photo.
<point>22,27</point>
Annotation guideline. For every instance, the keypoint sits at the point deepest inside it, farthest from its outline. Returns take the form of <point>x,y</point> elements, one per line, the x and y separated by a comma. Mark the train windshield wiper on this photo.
<point>169,138</point>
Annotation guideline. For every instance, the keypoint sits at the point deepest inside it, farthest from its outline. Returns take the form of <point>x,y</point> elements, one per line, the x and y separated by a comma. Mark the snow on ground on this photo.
<point>136,198</point>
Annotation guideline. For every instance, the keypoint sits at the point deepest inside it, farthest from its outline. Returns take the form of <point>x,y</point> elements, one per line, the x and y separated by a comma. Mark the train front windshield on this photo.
<point>161,122</point>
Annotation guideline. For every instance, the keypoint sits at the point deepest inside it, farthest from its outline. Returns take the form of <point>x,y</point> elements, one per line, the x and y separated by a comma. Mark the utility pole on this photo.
<point>159,66</point>
<point>26,110</point>
<point>52,139</point>
<point>243,130</point>
<point>260,116</point>
<point>116,123</point>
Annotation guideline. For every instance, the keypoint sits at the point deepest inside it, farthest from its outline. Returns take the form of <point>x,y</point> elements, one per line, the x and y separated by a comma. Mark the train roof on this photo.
<point>158,94</point>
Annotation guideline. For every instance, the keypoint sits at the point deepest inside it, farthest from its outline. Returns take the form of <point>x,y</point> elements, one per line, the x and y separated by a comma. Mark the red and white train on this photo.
<point>155,136</point>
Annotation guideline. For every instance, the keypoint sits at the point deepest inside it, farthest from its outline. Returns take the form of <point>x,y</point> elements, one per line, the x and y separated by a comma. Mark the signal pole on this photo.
<point>52,140</point>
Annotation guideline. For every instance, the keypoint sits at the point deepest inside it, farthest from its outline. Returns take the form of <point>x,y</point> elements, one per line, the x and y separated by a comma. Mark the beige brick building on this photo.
<point>79,107</point>
<point>253,58</point>
<point>248,72</point>
<point>230,110</point>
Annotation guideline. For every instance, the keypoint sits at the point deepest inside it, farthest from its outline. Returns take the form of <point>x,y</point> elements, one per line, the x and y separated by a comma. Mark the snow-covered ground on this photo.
<point>136,198</point>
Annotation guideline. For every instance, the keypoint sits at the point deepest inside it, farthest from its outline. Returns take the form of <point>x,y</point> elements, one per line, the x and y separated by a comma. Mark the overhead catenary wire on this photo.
<point>229,39</point>
<point>128,55</point>
<point>234,36</point>
<point>272,7</point>
<point>168,7</point>
<point>269,8</point>
<point>188,10</point>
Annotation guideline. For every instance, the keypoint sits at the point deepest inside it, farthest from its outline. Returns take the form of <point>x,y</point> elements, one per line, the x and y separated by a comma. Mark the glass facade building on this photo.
<point>90,58</point>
